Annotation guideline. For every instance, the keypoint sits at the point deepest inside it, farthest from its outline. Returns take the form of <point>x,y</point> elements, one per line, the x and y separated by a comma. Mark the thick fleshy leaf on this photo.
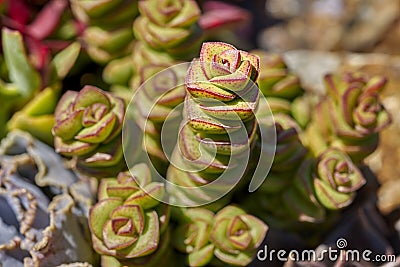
<point>108,41</point>
<point>349,101</point>
<point>302,206</point>
<point>99,132</point>
<point>219,235</point>
<point>197,155</point>
<point>99,215</point>
<point>206,90</point>
<point>331,198</point>
<point>168,37</point>
<point>148,197</point>
<point>96,8</point>
<point>132,212</point>
<point>64,60</point>
<point>118,71</point>
<point>65,104</point>
<point>275,78</point>
<point>160,12</point>
<point>111,187</point>
<point>239,259</point>
<point>147,242</point>
<point>258,229</point>
<point>239,108</point>
<point>208,50</point>
<point>43,103</point>
<point>72,147</point>
<point>202,256</point>
<point>114,241</point>
<point>233,144</point>
<point>21,71</point>
<point>70,126</point>
<point>188,15</point>
<point>239,235</point>
<point>105,155</point>
<point>201,122</point>
<point>236,81</point>
<point>90,95</point>
<point>254,60</point>
<point>152,111</point>
<point>37,116</point>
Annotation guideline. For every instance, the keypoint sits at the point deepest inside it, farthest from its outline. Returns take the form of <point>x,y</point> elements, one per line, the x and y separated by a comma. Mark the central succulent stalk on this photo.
<point>219,124</point>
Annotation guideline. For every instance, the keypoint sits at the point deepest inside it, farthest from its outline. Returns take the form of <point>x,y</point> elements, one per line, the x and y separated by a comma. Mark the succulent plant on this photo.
<point>169,26</point>
<point>219,125</point>
<point>88,129</point>
<point>145,56</point>
<point>229,237</point>
<point>336,179</point>
<point>127,223</point>
<point>236,235</point>
<point>44,207</point>
<point>275,78</point>
<point>108,27</point>
<point>289,150</point>
<point>327,183</point>
<point>352,116</point>
<point>167,32</point>
<point>192,236</point>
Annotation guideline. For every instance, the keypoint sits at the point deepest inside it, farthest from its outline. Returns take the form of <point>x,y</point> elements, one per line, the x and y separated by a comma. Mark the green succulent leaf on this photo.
<point>21,70</point>
<point>65,60</point>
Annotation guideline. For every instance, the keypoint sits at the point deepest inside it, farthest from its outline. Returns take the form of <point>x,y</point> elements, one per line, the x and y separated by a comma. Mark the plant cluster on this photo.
<point>68,194</point>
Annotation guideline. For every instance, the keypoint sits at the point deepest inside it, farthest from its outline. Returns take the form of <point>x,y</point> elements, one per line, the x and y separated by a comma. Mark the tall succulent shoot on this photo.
<point>156,101</point>
<point>128,225</point>
<point>303,184</point>
<point>229,237</point>
<point>170,26</point>
<point>108,33</point>
<point>127,74</point>
<point>88,129</point>
<point>328,182</point>
<point>282,88</point>
<point>275,79</point>
<point>353,115</point>
<point>218,118</point>
<point>289,153</point>
<point>167,32</point>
